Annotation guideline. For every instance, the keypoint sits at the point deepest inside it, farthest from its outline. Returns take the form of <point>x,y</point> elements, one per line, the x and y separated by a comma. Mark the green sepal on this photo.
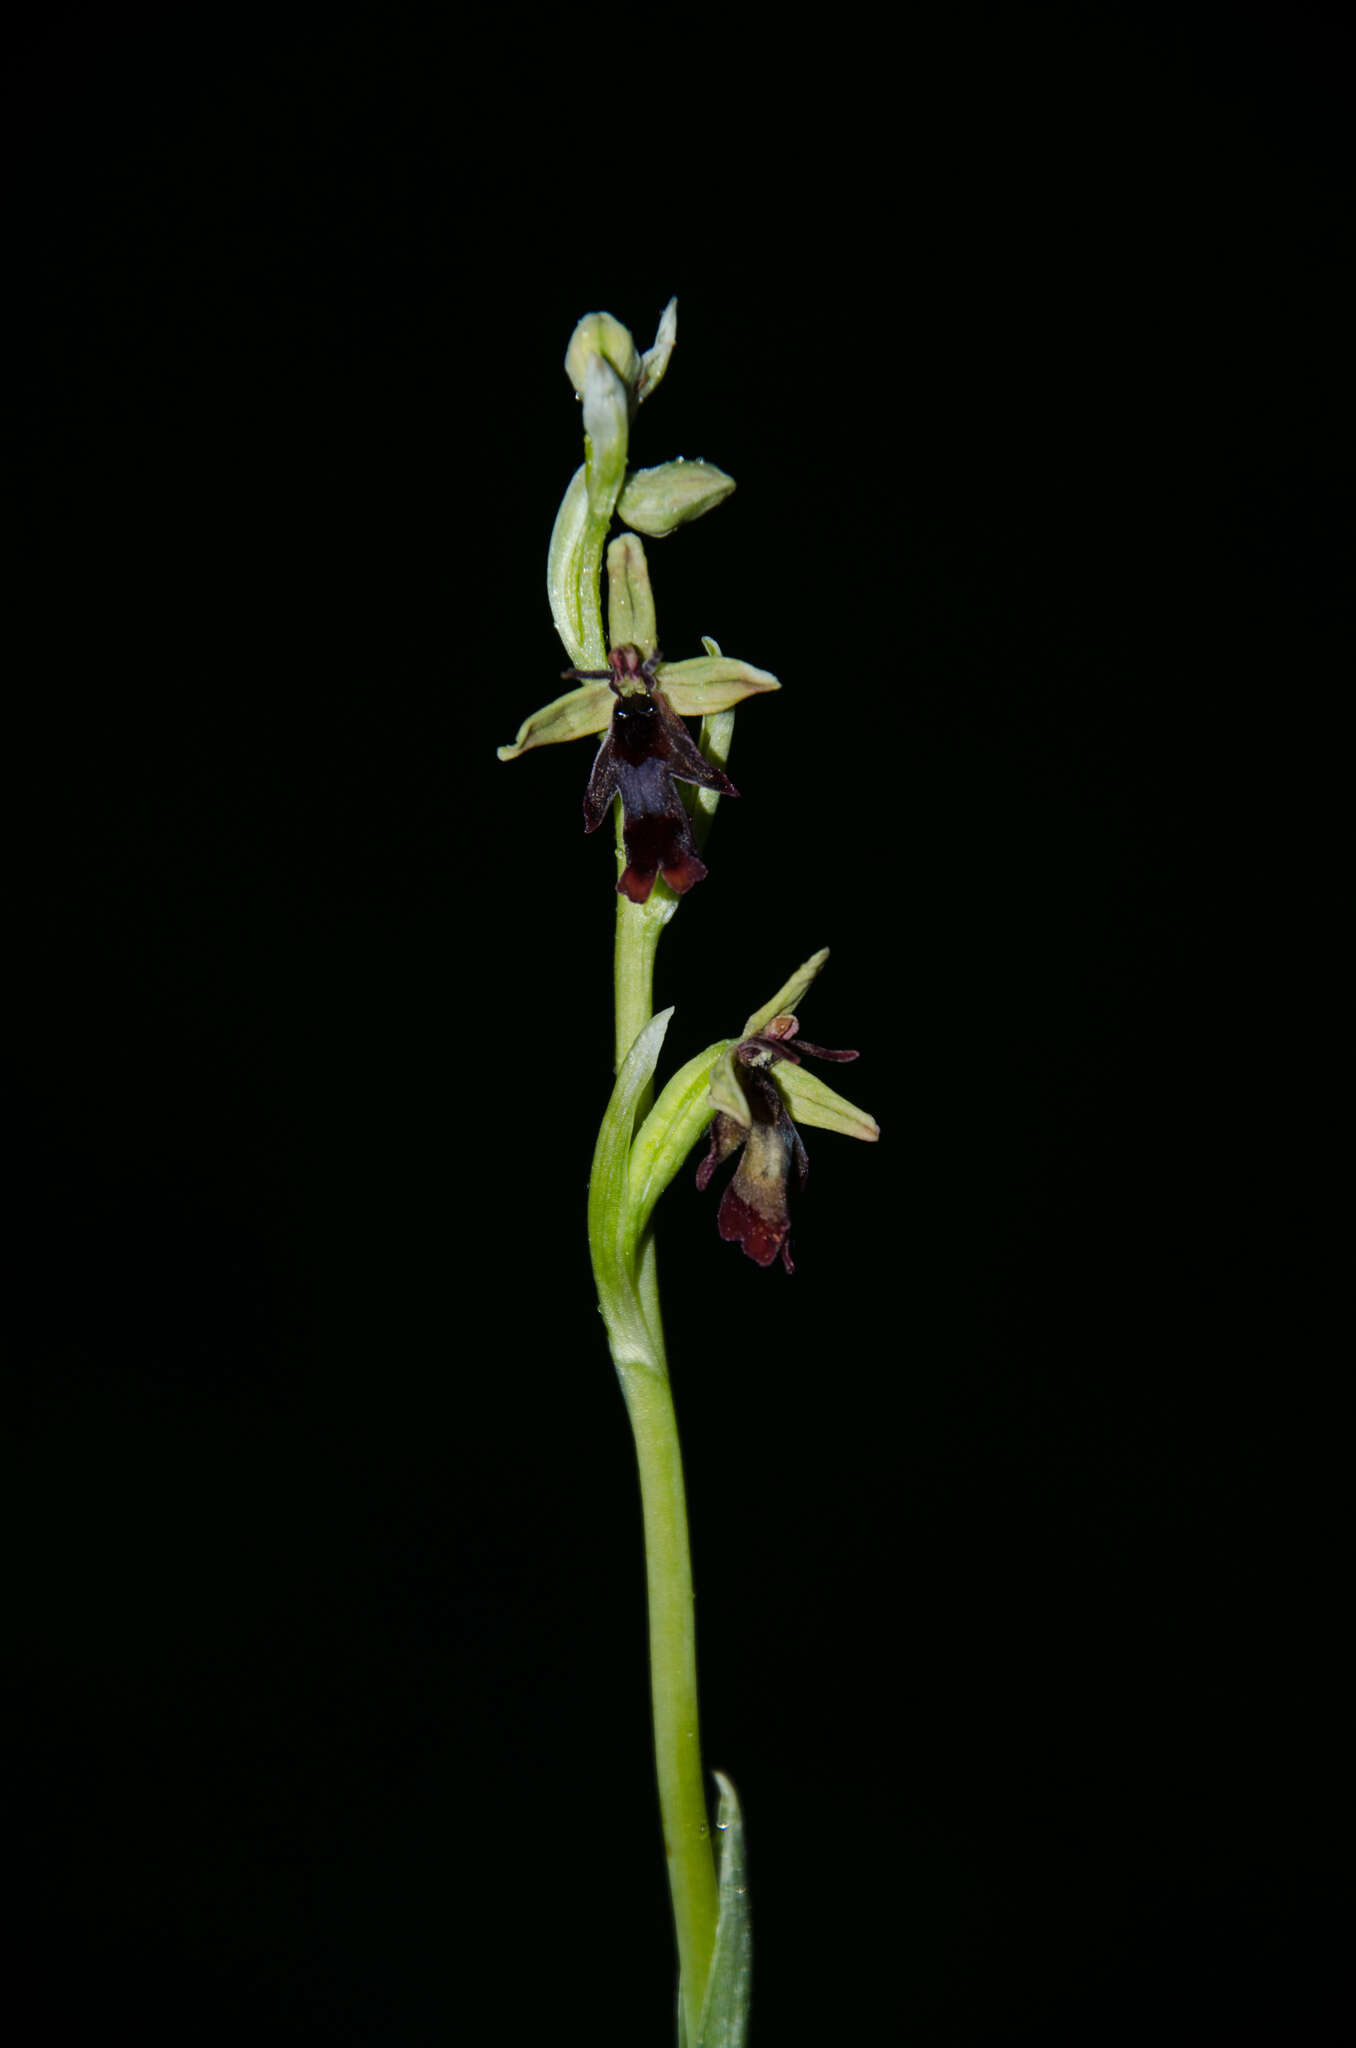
<point>612,1240</point>
<point>710,683</point>
<point>571,717</point>
<point>668,1134</point>
<point>812,1101</point>
<point>630,600</point>
<point>788,995</point>
<point>701,688</point>
<point>809,1100</point>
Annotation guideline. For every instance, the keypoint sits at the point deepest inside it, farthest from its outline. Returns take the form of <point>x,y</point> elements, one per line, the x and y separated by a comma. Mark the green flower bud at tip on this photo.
<point>600,337</point>
<point>657,501</point>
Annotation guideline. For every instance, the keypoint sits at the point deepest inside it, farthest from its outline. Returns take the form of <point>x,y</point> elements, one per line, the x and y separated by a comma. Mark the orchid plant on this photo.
<point>751,1091</point>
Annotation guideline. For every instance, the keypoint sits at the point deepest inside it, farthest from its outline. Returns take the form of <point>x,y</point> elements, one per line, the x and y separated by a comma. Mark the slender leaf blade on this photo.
<point>729,1990</point>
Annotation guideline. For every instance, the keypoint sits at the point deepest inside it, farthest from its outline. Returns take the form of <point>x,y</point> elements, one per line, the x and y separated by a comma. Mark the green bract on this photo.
<point>572,575</point>
<point>668,1134</point>
<point>612,1230</point>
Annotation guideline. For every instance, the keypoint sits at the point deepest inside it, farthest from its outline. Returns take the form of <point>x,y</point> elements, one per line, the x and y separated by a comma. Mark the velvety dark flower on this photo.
<point>755,1208</point>
<point>640,706</point>
<point>645,748</point>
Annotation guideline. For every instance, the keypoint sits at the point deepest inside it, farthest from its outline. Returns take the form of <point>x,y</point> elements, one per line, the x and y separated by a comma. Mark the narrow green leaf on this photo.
<point>729,1989</point>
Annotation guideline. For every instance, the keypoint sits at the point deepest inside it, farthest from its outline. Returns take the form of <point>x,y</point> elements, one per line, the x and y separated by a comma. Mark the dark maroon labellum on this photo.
<point>755,1208</point>
<point>645,748</point>
<point>773,1166</point>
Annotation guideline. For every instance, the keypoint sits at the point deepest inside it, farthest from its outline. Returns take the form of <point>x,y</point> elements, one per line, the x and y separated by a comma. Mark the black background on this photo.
<point>327,1613</point>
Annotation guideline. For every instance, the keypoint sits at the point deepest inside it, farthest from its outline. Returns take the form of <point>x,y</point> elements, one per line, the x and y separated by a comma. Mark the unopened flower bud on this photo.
<point>655,501</point>
<point>601,337</point>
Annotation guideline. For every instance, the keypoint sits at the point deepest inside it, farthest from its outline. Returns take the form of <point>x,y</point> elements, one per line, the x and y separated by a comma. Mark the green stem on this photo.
<point>637,941</point>
<point>668,1567</point>
<point>673,1681</point>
